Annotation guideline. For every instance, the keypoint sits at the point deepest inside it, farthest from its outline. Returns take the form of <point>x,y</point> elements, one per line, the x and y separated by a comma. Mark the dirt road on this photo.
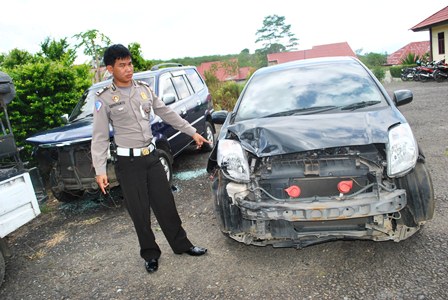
<point>89,250</point>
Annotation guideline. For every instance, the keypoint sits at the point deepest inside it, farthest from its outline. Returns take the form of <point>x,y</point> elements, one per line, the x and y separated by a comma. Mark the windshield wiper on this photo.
<point>302,111</point>
<point>357,105</point>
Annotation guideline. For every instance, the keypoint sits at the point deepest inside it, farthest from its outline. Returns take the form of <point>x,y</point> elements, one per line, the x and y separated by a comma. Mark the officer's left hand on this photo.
<point>199,139</point>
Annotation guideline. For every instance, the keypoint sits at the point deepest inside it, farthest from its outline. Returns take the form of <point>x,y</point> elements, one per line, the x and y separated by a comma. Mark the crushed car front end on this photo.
<point>299,180</point>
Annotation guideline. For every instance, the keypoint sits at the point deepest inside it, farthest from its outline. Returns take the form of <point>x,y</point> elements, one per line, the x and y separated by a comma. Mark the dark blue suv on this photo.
<point>63,153</point>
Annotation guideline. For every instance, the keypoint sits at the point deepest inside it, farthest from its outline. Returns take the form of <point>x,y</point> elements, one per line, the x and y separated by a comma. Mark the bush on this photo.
<point>395,71</point>
<point>226,95</point>
<point>45,91</point>
<point>379,73</point>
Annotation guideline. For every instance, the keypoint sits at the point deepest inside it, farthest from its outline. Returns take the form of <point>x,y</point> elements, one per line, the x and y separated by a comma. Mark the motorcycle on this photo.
<point>426,71</point>
<point>441,72</point>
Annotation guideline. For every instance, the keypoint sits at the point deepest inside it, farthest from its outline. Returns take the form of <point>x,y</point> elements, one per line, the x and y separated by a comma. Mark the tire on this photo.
<point>209,134</point>
<point>63,196</point>
<point>437,76</point>
<point>166,161</point>
<point>404,76</point>
<point>422,77</point>
<point>420,196</point>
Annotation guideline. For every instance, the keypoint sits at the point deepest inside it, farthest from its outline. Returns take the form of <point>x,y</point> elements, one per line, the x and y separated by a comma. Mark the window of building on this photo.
<point>441,40</point>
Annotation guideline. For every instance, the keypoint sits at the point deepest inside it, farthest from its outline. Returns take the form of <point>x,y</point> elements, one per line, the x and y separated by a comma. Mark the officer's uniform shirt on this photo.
<point>128,111</point>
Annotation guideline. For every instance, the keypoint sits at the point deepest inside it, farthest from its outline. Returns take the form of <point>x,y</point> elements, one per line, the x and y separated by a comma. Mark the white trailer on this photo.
<point>18,201</point>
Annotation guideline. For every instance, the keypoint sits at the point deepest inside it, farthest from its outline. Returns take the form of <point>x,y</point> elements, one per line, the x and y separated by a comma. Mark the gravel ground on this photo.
<point>89,250</point>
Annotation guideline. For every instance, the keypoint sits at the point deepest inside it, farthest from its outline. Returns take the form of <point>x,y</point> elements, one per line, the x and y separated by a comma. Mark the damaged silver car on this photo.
<point>316,150</point>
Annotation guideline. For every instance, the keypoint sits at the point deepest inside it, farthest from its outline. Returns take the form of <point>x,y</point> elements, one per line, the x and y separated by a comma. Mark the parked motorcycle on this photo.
<point>408,74</point>
<point>426,71</point>
<point>441,72</point>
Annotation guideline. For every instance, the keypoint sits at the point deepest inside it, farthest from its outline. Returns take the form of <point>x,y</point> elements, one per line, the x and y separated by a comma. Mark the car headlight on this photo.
<point>232,160</point>
<point>402,150</point>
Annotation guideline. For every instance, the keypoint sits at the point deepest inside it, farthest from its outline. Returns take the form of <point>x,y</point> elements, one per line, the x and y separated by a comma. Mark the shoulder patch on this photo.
<point>141,82</point>
<point>101,90</point>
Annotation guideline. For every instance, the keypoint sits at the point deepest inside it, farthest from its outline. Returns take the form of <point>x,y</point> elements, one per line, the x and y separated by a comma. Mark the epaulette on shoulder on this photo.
<point>101,90</point>
<point>141,82</point>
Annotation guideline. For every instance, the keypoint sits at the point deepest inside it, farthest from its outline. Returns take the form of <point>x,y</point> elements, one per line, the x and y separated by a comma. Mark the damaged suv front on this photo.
<point>315,150</point>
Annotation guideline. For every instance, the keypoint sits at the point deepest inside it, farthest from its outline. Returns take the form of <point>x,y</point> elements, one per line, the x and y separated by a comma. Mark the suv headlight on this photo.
<point>232,160</point>
<point>402,150</point>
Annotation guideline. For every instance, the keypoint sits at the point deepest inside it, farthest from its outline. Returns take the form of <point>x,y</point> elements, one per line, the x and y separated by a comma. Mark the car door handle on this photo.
<point>183,111</point>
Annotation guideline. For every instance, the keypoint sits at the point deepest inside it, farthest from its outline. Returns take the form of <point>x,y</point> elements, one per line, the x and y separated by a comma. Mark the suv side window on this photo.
<point>195,79</point>
<point>166,87</point>
<point>181,87</point>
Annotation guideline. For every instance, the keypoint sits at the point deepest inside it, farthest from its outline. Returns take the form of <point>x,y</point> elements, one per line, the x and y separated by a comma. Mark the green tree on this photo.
<point>58,51</point>
<point>15,58</point>
<point>275,35</point>
<point>44,91</point>
<point>94,43</point>
<point>140,64</point>
<point>373,59</point>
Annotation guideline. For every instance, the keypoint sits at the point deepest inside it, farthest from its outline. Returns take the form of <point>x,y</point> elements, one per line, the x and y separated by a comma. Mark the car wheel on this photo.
<point>63,196</point>
<point>420,196</point>
<point>164,158</point>
<point>209,134</point>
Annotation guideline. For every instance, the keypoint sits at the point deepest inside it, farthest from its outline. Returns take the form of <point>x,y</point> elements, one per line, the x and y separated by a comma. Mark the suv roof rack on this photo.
<point>156,67</point>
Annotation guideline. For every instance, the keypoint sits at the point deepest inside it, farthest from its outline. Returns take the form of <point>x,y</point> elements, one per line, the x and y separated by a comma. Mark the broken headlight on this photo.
<point>232,160</point>
<point>402,150</point>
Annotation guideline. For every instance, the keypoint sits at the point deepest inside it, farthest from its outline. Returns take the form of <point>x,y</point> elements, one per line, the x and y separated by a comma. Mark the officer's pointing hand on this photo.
<point>199,139</point>
<point>103,182</point>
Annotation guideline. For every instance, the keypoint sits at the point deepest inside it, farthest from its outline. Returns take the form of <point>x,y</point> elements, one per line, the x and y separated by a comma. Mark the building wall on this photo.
<point>435,42</point>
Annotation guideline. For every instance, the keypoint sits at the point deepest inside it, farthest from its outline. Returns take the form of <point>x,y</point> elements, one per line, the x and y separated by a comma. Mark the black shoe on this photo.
<point>196,251</point>
<point>152,265</point>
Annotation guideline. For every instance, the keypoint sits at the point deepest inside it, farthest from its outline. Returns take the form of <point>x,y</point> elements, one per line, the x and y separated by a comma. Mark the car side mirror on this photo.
<point>64,118</point>
<point>168,98</point>
<point>402,97</point>
<point>220,116</point>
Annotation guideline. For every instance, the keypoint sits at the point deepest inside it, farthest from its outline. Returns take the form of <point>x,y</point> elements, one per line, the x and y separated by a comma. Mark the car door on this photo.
<point>171,88</point>
<point>200,102</point>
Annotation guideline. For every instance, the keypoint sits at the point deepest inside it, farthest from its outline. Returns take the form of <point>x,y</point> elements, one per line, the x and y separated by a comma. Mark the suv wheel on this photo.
<point>166,163</point>
<point>209,134</point>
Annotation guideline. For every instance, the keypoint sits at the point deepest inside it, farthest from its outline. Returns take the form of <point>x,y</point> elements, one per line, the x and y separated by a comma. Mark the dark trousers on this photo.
<point>144,184</point>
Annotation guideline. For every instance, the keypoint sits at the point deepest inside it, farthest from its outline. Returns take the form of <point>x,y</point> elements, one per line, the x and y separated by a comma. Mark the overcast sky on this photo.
<point>179,28</point>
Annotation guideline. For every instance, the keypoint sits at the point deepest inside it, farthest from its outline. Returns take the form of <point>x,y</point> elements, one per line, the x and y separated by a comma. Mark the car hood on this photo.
<point>74,132</point>
<point>282,135</point>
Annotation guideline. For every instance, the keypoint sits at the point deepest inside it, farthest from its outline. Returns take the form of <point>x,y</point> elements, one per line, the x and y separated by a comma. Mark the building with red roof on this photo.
<point>225,71</point>
<point>437,25</point>
<point>417,48</point>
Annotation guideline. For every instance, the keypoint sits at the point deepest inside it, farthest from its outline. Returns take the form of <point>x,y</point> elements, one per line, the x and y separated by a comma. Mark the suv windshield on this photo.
<point>85,106</point>
<point>316,89</point>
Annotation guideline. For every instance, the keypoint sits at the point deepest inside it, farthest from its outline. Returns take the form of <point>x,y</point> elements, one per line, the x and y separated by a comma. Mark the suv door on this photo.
<point>172,87</point>
<point>199,106</point>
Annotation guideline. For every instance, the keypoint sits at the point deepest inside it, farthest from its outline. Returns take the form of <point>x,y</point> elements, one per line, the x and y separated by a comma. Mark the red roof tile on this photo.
<point>218,68</point>
<point>337,49</point>
<point>418,48</point>
<point>439,17</point>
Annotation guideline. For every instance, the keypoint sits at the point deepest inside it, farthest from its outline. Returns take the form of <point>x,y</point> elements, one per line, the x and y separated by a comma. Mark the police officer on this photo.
<point>126,104</point>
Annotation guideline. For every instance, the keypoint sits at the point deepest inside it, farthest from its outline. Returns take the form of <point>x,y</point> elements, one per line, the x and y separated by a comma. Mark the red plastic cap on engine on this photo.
<point>293,191</point>
<point>345,186</point>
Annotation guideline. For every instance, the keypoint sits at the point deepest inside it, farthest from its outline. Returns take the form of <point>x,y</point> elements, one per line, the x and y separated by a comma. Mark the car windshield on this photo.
<point>85,106</point>
<point>325,87</point>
